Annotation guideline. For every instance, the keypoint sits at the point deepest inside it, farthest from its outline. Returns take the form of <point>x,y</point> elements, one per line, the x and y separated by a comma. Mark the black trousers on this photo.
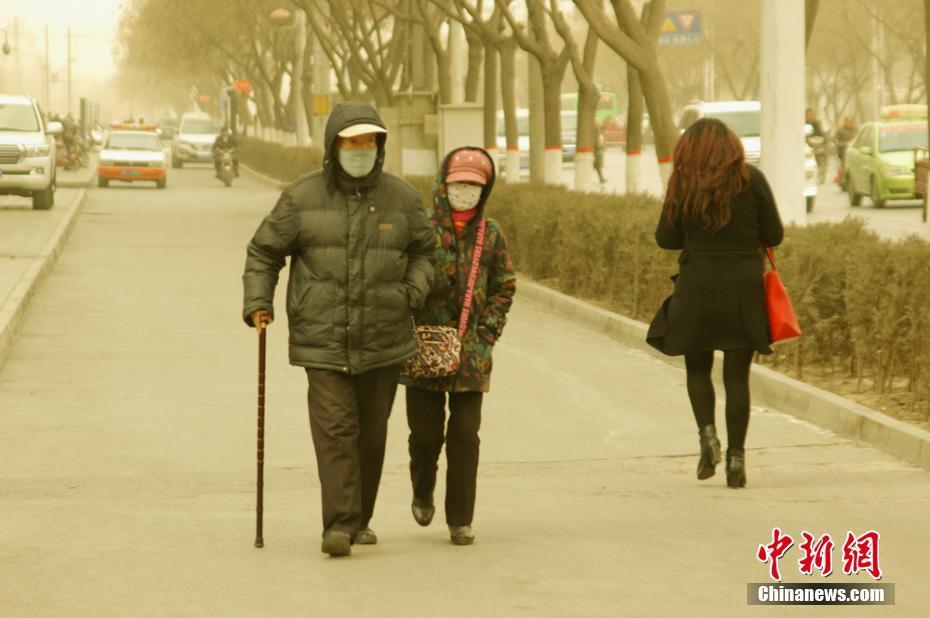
<point>736,366</point>
<point>348,420</point>
<point>426,417</point>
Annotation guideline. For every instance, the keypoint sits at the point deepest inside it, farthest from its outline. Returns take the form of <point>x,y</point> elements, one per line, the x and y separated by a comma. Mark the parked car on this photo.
<point>131,156</point>
<point>194,140</point>
<point>569,124</point>
<point>880,161</point>
<point>607,116</point>
<point>27,151</point>
<point>745,119</point>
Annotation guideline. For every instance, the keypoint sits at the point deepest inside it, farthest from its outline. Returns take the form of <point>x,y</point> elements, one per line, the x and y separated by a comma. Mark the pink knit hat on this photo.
<point>469,165</point>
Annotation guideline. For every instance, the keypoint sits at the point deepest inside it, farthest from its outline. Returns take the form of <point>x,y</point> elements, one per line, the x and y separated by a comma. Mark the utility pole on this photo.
<point>876,67</point>
<point>19,69</point>
<point>48,88</point>
<point>783,105</point>
<point>297,78</point>
<point>69,70</point>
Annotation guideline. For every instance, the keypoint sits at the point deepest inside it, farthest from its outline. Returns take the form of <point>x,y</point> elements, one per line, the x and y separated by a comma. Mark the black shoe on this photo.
<point>423,510</point>
<point>366,536</point>
<point>337,543</point>
<point>461,535</point>
<point>736,468</point>
<point>710,452</point>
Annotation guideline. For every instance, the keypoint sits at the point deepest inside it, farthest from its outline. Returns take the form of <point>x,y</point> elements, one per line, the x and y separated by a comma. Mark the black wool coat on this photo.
<point>718,302</point>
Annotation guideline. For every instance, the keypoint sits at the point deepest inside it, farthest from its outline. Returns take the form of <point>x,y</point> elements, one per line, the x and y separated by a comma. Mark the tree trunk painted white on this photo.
<point>665,172</point>
<point>584,171</point>
<point>633,172</point>
<point>553,165</point>
<point>512,166</point>
<point>783,105</point>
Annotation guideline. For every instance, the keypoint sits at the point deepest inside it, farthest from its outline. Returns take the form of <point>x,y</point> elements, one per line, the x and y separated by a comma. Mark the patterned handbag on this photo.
<point>439,348</point>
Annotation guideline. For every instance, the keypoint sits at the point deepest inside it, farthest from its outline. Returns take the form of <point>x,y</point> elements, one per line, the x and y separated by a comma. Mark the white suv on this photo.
<point>194,139</point>
<point>27,151</point>
<point>744,119</point>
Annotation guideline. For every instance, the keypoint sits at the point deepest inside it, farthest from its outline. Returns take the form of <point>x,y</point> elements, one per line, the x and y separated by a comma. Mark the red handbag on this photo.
<point>783,324</point>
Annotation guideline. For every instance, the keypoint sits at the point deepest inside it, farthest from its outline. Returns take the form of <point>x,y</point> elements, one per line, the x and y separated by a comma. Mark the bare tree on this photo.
<point>633,41</point>
<point>553,64</point>
<point>583,62</point>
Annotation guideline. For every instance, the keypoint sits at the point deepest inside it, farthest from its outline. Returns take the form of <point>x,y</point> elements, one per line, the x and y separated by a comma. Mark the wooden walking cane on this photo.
<point>260,488</point>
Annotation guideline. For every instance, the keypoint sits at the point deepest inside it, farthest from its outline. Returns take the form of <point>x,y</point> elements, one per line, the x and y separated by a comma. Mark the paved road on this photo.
<point>128,440</point>
<point>897,220</point>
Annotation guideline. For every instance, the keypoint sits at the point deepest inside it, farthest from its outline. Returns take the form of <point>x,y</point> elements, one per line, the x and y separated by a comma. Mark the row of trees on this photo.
<point>380,48</point>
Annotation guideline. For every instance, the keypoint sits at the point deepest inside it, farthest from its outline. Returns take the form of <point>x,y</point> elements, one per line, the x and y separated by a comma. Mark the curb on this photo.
<point>262,178</point>
<point>774,390</point>
<point>12,313</point>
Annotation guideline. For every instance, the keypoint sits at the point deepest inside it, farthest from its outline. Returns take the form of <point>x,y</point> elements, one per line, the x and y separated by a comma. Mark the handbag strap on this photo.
<point>472,277</point>
<point>771,255</point>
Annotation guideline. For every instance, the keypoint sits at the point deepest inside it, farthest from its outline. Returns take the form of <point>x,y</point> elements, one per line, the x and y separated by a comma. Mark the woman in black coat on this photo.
<point>720,212</point>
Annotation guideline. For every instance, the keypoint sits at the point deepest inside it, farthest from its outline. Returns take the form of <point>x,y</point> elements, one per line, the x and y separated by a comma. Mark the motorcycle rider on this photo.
<point>225,141</point>
<point>811,118</point>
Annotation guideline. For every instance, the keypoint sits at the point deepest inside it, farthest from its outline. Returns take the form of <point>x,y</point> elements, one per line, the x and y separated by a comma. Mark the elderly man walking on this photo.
<point>361,252</point>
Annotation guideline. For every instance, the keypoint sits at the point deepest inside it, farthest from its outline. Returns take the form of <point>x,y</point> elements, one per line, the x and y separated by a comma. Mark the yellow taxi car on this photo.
<point>133,154</point>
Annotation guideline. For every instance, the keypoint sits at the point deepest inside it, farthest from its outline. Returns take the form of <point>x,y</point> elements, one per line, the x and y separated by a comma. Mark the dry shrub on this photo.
<point>862,302</point>
<point>284,163</point>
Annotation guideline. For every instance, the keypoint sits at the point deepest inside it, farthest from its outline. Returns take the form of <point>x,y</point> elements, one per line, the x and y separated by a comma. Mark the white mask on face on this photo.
<point>463,196</point>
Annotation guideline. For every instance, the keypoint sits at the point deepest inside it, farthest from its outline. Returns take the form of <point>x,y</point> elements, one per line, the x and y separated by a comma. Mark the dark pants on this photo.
<point>348,420</point>
<point>426,416</point>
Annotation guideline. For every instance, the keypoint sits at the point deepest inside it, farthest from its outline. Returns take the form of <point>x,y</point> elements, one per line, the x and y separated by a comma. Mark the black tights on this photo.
<point>736,383</point>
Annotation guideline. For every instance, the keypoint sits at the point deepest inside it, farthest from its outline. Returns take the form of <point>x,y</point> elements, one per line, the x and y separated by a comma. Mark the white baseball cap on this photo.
<point>361,129</point>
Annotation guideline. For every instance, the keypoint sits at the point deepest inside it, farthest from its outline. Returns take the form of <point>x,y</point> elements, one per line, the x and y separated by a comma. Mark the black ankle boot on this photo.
<point>736,467</point>
<point>710,452</point>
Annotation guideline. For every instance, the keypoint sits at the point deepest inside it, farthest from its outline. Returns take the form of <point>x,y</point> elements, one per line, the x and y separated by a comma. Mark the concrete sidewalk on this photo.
<point>30,242</point>
<point>128,480</point>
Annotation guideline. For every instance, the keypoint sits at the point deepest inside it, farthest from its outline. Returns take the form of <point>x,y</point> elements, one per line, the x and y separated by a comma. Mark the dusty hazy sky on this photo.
<point>92,23</point>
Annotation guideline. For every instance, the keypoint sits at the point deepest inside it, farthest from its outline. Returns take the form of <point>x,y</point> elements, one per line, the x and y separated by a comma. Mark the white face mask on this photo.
<point>463,196</point>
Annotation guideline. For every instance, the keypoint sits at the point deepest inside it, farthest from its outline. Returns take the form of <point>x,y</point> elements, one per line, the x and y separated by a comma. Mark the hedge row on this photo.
<point>283,163</point>
<point>862,301</point>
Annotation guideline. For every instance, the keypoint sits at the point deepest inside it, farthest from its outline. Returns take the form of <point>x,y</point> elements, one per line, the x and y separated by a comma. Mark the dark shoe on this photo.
<point>423,510</point>
<point>337,543</point>
<point>366,536</point>
<point>736,468</point>
<point>461,535</point>
<point>710,452</point>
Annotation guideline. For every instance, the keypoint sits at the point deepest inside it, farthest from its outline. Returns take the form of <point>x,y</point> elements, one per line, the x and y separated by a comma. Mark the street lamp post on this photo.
<point>282,17</point>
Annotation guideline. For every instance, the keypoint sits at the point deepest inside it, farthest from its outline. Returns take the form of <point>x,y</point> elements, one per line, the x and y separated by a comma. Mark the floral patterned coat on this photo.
<point>493,294</point>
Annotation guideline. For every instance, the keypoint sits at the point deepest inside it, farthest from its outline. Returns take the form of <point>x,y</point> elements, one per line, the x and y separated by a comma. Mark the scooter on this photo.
<point>227,170</point>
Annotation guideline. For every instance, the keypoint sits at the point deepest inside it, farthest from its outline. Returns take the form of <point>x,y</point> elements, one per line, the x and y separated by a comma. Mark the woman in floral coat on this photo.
<point>466,179</point>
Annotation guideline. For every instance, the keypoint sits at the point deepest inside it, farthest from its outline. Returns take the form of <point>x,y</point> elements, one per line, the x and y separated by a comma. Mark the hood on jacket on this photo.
<point>345,115</point>
<point>442,211</point>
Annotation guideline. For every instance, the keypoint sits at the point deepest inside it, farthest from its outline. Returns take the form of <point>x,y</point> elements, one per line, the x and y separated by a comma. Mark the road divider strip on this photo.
<point>769,388</point>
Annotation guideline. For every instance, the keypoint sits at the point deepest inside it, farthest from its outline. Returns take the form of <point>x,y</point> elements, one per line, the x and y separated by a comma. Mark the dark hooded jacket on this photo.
<point>493,293</point>
<point>361,259</point>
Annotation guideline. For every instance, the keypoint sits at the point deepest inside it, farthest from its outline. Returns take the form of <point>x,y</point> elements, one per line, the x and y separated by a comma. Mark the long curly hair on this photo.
<point>709,171</point>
